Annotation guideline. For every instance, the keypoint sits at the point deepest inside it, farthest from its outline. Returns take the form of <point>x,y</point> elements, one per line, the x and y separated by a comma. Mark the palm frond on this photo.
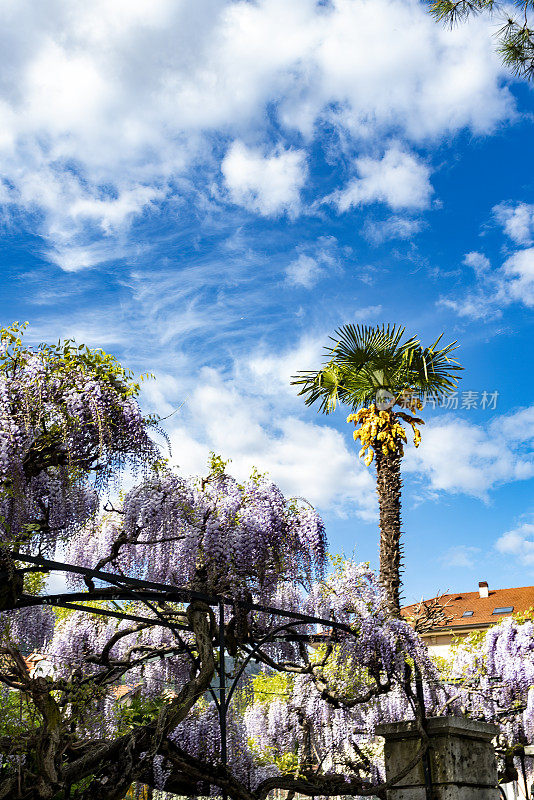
<point>357,343</point>
<point>364,359</point>
<point>433,370</point>
<point>325,385</point>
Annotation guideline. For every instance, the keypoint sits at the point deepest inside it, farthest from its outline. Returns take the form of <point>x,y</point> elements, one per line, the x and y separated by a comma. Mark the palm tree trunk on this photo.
<point>389,483</point>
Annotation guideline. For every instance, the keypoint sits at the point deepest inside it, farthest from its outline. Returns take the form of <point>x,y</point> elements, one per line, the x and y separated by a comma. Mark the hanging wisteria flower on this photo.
<point>68,421</point>
<point>216,535</point>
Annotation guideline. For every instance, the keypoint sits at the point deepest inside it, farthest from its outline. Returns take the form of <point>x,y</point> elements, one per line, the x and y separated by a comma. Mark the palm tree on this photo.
<point>371,370</point>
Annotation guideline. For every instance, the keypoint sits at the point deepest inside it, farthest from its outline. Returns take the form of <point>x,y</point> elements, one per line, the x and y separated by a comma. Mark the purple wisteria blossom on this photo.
<point>216,535</point>
<point>68,421</point>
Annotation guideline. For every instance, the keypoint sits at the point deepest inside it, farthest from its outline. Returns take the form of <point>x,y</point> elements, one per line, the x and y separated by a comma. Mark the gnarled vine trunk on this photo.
<point>389,484</point>
<point>11,582</point>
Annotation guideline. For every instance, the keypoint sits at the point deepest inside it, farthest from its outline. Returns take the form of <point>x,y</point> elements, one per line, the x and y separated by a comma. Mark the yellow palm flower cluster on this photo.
<point>408,399</point>
<point>381,430</point>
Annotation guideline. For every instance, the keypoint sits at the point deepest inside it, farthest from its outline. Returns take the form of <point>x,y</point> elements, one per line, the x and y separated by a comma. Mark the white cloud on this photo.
<point>460,556</point>
<point>518,427</point>
<point>396,227</point>
<point>84,223</point>
<point>473,306</point>
<point>72,257</point>
<point>518,542</point>
<point>518,270</point>
<point>517,221</point>
<point>304,271</point>
<point>457,456</point>
<point>429,81</point>
<point>513,282</point>
<point>112,213</point>
<point>487,298</point>
<point>110,106</point>
<point>267,184</point>
<point>251,414</point>
<point>268,374</point>
<point>314,261</point>
<point>398,178</point>
<point>252,418</point>
<point>477,261</point>
<point>95,328</point>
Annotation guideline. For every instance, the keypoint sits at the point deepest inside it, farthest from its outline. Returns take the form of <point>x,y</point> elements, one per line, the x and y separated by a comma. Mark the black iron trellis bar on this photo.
<point>65,600</point>
<point>223,700</point>
<point>159,591</point>
<point>148,591</point>
<point>105,612</point>
<point>169,592</point>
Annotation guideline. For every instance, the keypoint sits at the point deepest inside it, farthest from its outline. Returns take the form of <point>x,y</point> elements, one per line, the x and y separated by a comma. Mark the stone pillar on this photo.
<point>462,759</point>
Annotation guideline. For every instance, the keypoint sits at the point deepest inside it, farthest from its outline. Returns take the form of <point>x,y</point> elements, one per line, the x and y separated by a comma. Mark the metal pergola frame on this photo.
<point>151,593</point>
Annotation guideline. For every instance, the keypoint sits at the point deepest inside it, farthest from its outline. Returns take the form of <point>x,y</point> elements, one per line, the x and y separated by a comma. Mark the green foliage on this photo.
<point>454,11</point>
<point>344,677</point>
<point>158,467</point>
<point>43,410</point>
<point>138,711</point>
<point>268,686</point>
<point>265,688</point>
<point>472,643</point>
<point>365,359</point>
<point>11,343</point>
<point>76,788</point>
<point>525,616</point>
<point>216,465</point>
<point>17,719</point>
<point>287,763</point>
<point>65,357</point>
<point>257,477</point>
<point>61,613</point>
<point>515,37</point>
<point>35,582</point>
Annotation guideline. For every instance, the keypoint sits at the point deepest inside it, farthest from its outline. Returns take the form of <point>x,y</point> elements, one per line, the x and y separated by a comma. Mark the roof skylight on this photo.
<point>503,610</point>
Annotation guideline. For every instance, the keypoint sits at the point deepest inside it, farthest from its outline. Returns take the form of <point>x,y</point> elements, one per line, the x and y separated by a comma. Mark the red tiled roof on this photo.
<point>520,598</point>
<point>122,690</point>
<point>119,691</point>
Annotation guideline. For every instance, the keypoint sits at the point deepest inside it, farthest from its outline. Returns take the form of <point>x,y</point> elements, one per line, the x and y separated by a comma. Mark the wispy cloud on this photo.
<point>461,556</point>
<point>315,261</point>
<point>394,227</point>
<point>97,328</point>
<point>518,542</point>
<point>495,289</point>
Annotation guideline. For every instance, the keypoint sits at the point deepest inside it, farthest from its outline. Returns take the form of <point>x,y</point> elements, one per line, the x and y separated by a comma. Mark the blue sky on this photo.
<point>208,190</point>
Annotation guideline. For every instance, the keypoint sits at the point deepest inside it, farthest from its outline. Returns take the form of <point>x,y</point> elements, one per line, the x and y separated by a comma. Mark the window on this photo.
<point>468,613</point>
<point>503,610</point>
